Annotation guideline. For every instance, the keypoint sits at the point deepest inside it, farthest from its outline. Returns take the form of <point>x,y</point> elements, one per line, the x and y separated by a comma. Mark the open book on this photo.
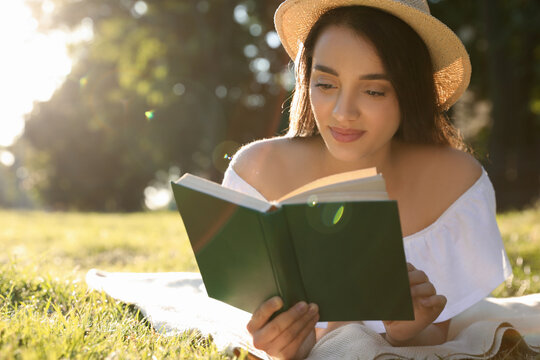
<point>336,242</point>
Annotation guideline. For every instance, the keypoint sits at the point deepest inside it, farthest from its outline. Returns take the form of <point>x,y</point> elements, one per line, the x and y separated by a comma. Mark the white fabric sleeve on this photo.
<point>464,256</point>
<point>233,181</point>
<point>229,178</point>
<point>462,253</point>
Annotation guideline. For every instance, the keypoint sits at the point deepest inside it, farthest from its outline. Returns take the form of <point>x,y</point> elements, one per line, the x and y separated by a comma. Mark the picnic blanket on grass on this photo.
<point>177,301</point>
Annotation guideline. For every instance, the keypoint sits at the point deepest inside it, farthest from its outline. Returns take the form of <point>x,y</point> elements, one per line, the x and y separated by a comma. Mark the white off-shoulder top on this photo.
<point>462,252</point>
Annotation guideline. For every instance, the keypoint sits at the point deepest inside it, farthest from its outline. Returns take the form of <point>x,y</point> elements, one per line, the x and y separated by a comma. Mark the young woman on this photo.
<point>373,82</point>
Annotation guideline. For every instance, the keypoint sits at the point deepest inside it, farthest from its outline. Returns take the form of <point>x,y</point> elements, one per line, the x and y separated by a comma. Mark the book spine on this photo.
<point>283,257</point>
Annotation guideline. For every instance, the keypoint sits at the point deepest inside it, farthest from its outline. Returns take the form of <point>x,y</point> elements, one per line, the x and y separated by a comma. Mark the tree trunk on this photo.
<point>513,163</point>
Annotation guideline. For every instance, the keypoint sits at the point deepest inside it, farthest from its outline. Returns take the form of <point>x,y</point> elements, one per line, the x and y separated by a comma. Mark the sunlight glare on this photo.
<point>33,65</point>
<point>6,158</point>
<point>157,198</point>
<point>47,6</point>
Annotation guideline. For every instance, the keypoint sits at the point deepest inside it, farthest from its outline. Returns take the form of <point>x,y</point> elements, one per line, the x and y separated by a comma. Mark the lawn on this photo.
<point>46,310</point>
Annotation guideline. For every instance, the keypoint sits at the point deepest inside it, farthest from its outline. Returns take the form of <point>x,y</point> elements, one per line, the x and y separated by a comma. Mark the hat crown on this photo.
<point>421,5</point>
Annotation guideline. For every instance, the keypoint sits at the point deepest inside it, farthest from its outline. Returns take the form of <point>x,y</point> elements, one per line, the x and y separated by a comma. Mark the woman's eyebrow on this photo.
<point>329,70</point>
<point>375,77</point>
<point>325,69</point>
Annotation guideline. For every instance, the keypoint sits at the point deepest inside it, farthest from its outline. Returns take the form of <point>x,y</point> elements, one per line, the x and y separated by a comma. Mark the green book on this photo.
<point>335,242</point>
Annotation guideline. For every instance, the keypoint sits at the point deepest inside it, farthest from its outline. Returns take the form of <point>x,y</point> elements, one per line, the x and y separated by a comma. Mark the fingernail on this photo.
<point>301,307</point>
<point>313,308</point>
<point>276,302</point>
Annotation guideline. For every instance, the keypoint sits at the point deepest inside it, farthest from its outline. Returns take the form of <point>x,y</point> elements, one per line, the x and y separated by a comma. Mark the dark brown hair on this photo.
<point>407,62</point>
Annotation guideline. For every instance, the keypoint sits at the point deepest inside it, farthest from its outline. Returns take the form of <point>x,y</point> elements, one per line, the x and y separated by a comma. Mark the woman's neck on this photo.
<point>385,160</point>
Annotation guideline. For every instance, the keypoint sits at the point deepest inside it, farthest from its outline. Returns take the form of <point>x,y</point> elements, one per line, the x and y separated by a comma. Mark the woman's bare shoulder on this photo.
<point>443,167</point>
<point>453,169</point>
<point>262,160</point>
<point>442,173</point>
<point>435,177</point>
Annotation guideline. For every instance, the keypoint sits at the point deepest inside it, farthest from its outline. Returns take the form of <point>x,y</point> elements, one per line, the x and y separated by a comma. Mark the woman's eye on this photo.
<point>374,93</point>
<point>324,86</point>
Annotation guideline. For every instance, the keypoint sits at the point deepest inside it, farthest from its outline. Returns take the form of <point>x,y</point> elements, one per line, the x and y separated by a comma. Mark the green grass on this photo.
<point>47,312</point>
<point>46,309</point>
<point>521,236</point>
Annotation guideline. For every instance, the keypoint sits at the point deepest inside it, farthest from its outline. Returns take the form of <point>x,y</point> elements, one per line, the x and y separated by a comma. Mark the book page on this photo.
<point>211,188</point>
<point>353,183</point>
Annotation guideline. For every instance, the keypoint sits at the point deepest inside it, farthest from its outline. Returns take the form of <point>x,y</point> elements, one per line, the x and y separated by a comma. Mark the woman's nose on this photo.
<point>346,108</point>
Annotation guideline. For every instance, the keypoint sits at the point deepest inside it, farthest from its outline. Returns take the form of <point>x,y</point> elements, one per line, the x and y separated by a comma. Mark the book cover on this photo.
<point>346,256</point>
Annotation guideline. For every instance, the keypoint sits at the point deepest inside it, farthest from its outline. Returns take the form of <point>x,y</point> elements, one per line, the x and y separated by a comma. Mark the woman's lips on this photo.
<point>346,135</point>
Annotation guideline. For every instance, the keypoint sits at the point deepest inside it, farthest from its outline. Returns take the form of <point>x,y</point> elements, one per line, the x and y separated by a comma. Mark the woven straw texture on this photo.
<point>452,67</point>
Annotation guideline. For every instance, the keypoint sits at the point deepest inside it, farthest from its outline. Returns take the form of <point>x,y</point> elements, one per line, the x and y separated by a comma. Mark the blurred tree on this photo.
<point>513,56</point>
<point>184,83</point>
<point>502,38</point>
<point>162,84</point>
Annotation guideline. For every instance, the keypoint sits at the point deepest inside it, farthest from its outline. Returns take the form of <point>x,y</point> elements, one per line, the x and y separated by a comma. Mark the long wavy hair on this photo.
<point>408,64</point>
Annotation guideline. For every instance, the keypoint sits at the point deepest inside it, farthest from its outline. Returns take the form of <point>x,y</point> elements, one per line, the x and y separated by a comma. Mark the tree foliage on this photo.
<point>501,37</point>
<point>167,87</point>
<point>182,84</point>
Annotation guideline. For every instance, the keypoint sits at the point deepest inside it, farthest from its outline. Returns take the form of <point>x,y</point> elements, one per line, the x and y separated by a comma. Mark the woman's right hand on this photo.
<point>290,335</point>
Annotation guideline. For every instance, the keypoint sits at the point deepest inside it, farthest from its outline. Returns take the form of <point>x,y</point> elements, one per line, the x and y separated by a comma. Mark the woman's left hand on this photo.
<point>427,306</point>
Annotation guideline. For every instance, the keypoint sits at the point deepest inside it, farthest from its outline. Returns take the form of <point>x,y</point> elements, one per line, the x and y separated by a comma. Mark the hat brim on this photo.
<point>451,65</point>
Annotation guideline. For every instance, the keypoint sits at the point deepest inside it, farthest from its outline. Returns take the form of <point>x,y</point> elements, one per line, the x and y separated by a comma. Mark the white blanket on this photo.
<point>175,302</point>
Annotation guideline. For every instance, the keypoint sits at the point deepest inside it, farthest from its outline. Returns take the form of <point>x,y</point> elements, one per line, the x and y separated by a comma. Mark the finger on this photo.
<point>291,334</point>
<point>269,332</point>
<point>410,267</point>
<point>263,313</point>
<point>435,301</point>
<point>423,290</point>
<point>291,348</point>
<point>417,277</point>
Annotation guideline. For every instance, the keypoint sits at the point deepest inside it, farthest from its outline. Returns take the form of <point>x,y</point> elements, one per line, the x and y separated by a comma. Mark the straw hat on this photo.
<point>451,65</point>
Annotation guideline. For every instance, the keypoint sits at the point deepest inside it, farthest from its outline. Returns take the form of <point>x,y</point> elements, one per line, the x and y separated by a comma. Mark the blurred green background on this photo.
<point>164,87</point>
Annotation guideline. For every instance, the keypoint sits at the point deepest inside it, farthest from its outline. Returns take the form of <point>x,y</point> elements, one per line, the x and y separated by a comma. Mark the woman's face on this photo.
<point>355,106</point>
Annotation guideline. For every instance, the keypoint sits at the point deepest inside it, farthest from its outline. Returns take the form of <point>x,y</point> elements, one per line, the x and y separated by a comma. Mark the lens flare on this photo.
<point>223,154</point>
<point>149,115</point>
<point>83,81</point>
<point>312,200</point>
<point>339,214</point>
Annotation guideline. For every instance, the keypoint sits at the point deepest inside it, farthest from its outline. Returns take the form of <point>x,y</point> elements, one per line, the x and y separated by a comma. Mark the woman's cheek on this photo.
<point>391,118</point>
<point>320,104</point>
<point>315,105</point>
